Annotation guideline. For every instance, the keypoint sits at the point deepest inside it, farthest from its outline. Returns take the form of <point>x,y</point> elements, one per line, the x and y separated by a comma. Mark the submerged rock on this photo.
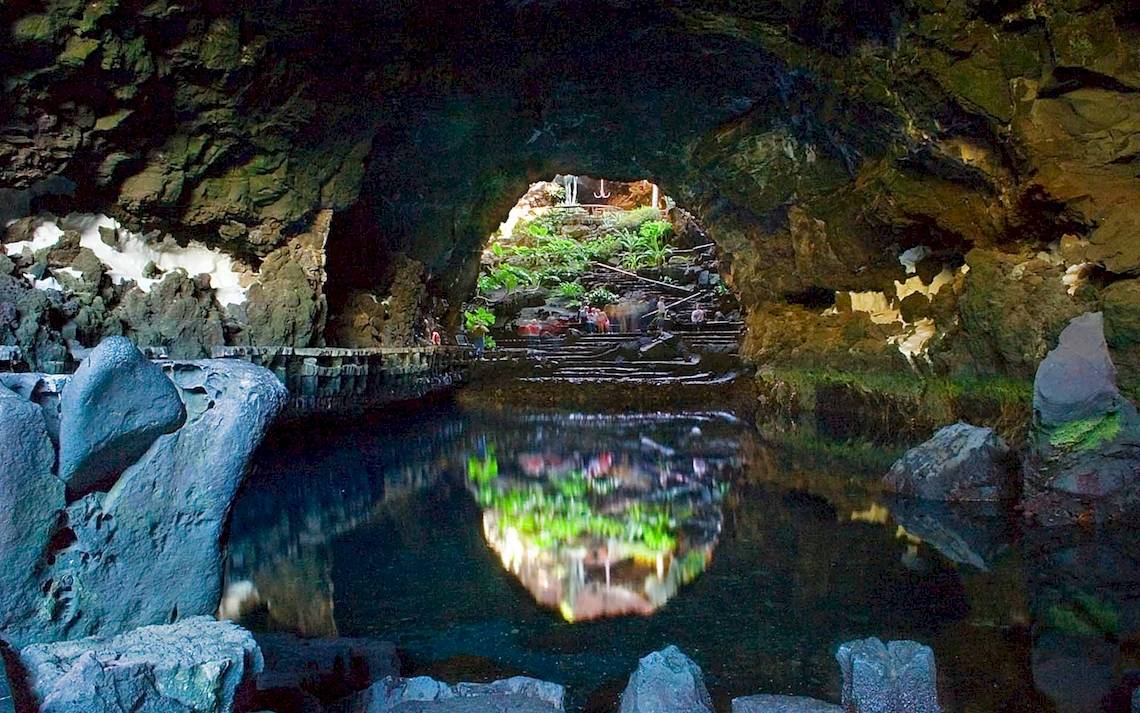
<point>427,695</point>
<point>328,668</point>
<point>782,704</point>
<point>113,409</point>
<point>960,463</point>
<point>897,677</point>
<point>666,681</point>
<point>197,664</point>
<point>1083,463</point>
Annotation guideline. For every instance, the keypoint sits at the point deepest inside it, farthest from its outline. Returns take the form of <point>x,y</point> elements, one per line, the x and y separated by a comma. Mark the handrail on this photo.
<point>686,290</point>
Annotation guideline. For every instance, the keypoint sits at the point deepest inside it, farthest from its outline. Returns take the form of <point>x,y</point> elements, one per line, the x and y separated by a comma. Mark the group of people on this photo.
<point>593,320</point>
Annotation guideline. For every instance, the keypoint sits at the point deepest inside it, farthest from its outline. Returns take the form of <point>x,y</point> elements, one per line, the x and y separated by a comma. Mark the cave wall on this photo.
<point>816,141</point>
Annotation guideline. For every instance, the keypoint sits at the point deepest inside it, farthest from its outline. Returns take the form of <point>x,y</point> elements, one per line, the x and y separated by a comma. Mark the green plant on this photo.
<point>480,316</point>
<point>482,471</point>
<point>655,229</point>
<point>600,297</point>
<point>1086,433</point>
<point>570,290</point>
<point>510,277</point>
<point>632,218</point>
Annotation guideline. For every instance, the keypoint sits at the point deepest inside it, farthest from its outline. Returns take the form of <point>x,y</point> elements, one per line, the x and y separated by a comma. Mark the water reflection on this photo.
<point>597,519</point>
<point>473,540</point>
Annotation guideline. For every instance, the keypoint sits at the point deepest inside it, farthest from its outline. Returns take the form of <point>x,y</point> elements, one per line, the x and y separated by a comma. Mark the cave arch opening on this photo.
<point>590,255</point>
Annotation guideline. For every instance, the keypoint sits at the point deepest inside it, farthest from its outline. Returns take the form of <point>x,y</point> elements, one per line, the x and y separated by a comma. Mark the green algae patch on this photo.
<point>1086,433</point>
<point>1085,615</point>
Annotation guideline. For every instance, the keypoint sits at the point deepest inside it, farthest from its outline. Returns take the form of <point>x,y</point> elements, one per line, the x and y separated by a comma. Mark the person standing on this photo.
<point>603,320</point>
<point>697,317</point>
<point>479,339</point>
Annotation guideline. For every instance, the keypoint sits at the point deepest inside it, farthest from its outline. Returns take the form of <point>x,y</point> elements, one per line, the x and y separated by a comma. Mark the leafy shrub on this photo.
<point>570,290</point>
<point>655,230</point>
<point>481,315</point>
<point>631,219</point>
<point>600,297</point>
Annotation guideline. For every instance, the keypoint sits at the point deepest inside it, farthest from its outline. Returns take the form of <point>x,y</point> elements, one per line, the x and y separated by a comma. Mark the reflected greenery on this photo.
<point>617,534</point>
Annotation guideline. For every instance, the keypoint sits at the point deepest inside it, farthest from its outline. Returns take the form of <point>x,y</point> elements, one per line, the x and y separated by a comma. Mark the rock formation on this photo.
<point>666,680</point>
<point>960,463</point>
<point>148,550</point>
<point>817,145</point>
<point>197,664</point>
<point>895,677</point>
<point>113,409</point>
<point>426,695</point>
<point>1084,458</point>
<point>764,703</point>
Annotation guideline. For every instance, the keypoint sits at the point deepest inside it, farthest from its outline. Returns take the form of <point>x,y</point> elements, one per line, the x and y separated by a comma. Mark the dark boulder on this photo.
<point>666,681</point>
<point>7,705</point>
<point>113,409</point>
<point>782,704</point>
<point>960,463</point>
<point>897,677</point>
<point>198,664</point>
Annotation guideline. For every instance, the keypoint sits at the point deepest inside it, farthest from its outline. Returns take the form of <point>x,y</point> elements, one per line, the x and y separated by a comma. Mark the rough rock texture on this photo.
<point>1077,379</point>
<point>113,409</point>
<point>1083,463</point>
<point>666,680</point>
<point>149,550</point>
<point>33,496</point>
<point>960,463</point>
<point>426,695</point>
<point>815,142</point>
<point>898,677</point>
<point>764,703</point>
<point>197,664</point>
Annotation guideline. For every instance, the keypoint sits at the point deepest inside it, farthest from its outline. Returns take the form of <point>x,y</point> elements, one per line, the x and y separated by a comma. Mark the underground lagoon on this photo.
<point>597,356</point>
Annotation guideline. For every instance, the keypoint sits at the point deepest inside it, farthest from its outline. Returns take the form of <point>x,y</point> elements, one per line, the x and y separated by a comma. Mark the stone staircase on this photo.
<point>681,357</point>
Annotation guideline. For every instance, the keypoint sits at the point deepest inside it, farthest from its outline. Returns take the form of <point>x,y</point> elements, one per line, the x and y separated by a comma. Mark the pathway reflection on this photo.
<point>598,517</point>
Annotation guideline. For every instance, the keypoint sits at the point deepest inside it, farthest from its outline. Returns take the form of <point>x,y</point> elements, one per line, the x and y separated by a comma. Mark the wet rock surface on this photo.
<point>113,409</point>
<point>197,664</point>
<point>895,677</point>
<point>960,463</point>
<point>666,680</point>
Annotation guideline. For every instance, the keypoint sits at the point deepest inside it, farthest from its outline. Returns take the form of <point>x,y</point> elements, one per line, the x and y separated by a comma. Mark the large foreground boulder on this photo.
<point>666,681</point>
<point>427,695</point>
<point>149,551</point>
<point>197,664</point>
<point>897,677</point>
<point>1083,461</point>
<point>782,704</point>
<point>115,406</point>
<point>30,499</point>
<point>960,463</point>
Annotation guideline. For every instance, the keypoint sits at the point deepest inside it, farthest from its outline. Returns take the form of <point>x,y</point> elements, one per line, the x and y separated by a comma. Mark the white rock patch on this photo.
<point>127,260</point>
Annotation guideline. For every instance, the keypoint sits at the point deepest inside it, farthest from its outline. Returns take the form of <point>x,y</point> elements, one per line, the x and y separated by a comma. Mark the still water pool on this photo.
<point>567,545</point>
